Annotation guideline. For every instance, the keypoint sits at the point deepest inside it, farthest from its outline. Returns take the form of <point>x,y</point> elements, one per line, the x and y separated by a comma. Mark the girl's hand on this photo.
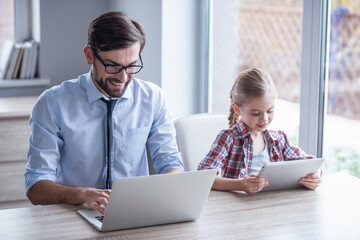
<point>253,184</point>
<point>312,180</point>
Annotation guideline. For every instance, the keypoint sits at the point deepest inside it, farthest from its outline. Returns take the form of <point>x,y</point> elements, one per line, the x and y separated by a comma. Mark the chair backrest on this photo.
<point>195,134</point>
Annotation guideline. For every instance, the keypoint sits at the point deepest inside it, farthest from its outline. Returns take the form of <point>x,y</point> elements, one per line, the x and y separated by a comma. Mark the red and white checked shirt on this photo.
<point>232,151</point>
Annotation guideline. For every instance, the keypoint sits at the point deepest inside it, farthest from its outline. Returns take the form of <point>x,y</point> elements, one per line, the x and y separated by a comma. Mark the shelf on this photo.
<point>13,107</point>
<point>14,83</point>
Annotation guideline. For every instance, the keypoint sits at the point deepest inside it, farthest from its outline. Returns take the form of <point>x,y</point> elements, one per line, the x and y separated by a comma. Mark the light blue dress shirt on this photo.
<point>67,141</point>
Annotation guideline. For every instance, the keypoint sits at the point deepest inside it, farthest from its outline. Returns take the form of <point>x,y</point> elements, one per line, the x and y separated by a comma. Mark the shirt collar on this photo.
<point>94,94</point>
<point>241,129</point>
<point>129,90</point>
<point>269,138</point>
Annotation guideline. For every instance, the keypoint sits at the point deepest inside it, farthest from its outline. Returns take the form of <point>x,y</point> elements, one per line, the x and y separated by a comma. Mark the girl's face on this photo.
<point>258,113</point>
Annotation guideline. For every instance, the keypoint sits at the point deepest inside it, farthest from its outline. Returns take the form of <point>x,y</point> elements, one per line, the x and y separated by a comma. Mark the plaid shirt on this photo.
<point>232,151</point>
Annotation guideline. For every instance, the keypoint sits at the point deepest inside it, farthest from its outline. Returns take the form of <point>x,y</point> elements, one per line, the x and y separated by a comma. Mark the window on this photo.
<point>342,121</point>
<point>270,34</point>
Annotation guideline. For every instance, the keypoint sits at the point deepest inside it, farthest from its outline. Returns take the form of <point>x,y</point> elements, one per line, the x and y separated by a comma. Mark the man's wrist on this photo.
<point>74,195</point>
<point>174,170</point>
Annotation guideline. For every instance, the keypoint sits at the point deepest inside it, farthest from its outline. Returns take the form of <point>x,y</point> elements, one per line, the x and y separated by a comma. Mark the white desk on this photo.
<point>330,212</point>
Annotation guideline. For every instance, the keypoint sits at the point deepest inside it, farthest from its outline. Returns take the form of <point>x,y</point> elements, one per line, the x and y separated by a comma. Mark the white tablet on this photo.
<point>286,174</point>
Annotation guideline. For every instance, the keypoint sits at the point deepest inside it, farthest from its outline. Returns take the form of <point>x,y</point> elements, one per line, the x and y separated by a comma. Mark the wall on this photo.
<point>64,27</point>
<point>148,14</point>
<point>171,54</point>
<point>180,55</point>
<point>225,48</point>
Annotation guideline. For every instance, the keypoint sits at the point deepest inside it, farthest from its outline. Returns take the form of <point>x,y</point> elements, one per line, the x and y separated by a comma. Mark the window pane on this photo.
<point>342,124</point>
<point>6,21</point>
<point>265,34</point>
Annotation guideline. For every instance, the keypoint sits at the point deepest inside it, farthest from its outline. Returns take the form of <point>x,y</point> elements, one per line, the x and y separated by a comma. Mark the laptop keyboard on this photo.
<point>100,218</point>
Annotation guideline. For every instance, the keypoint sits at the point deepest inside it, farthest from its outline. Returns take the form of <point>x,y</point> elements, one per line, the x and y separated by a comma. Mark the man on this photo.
<point>81,142</point>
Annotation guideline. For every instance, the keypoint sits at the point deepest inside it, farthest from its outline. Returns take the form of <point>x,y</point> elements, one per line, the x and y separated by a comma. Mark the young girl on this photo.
<point>242,150</point>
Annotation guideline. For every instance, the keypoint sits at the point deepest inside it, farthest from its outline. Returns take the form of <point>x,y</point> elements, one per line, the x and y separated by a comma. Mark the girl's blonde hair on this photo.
<point>250,84</point>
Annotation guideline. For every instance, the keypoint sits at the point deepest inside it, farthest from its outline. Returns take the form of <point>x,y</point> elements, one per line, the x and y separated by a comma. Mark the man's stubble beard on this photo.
<point>117,93</point>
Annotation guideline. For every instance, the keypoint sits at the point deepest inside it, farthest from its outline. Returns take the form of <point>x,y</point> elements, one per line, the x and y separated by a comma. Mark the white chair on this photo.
<point>195,134</point>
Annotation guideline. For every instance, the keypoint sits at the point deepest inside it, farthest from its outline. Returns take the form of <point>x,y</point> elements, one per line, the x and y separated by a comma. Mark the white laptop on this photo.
<point>286,174</point>
<point>153,200</point>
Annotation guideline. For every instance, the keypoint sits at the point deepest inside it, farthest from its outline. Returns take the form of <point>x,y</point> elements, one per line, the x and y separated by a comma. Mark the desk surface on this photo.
<point>330,212</point>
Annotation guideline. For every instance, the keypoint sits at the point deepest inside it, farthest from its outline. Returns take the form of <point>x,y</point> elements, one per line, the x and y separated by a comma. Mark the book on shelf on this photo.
<point>12,64</point>
<point>25,60</point>
<point>5,57</point>
<point>33,60</point>
<point>19,60</point>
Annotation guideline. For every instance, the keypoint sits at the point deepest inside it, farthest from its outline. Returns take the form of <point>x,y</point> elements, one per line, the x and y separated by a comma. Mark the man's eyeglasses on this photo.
<point>114,69</point>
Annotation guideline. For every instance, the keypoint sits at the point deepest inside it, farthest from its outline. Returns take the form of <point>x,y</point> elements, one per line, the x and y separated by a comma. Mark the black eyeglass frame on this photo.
<point>120,67</point>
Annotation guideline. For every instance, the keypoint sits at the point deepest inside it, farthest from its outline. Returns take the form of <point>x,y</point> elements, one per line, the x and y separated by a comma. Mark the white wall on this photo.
<point>180,55</point>
<point>225,49</point>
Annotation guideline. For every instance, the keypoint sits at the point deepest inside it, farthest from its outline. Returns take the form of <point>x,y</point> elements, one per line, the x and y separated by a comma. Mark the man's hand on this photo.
<point>96,199</point>
<point>46,192</point>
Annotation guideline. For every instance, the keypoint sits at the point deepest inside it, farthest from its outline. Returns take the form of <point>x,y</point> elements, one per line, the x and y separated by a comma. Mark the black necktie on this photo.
<point>110,106</point>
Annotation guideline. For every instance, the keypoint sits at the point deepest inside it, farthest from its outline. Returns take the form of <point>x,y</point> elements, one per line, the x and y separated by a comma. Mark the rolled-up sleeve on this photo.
<point>291,152</point>
<point>44,142</point>
<point>162,138</point>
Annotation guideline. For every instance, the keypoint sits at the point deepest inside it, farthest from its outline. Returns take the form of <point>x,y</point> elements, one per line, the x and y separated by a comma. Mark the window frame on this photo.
<point>27,20</point>
<point>206,28</point>
<point>314,76</point>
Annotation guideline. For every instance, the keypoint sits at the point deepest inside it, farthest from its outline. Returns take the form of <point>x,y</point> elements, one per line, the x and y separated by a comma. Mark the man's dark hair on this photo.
<point>114,30</point>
